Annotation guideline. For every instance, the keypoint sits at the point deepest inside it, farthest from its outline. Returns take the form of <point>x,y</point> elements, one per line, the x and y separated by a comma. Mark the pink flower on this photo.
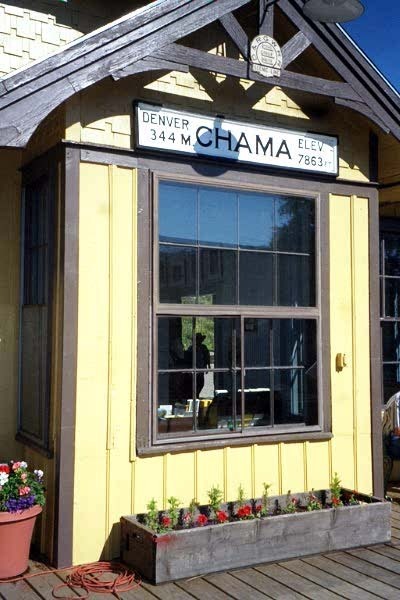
<point>24,476</point>
<point>16,465</point>
<point>24,491</point>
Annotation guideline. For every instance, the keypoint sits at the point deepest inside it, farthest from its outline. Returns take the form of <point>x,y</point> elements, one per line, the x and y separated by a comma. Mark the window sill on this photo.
<point>26,441</point>
<point>212,444</point>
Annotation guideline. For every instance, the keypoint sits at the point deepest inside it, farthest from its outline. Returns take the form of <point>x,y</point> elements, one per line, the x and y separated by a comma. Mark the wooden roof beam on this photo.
<point>266,18</point>
<point>148,64</point>
<point>294,47</point>
<point>236,32</point>
<point>239,68</point>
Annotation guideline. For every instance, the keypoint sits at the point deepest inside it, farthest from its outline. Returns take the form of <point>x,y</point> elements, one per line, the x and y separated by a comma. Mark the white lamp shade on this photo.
<point>333,11</point>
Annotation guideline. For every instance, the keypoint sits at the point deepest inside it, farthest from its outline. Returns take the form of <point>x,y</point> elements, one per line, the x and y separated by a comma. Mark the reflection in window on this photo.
<point>206,384</point>
<point>263,247</point>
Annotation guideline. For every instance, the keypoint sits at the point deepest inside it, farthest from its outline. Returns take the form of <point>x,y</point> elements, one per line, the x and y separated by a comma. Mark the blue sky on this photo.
<point>377,32</point>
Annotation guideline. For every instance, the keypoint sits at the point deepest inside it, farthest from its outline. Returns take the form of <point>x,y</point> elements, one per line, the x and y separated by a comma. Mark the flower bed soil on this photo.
<point>188,552</point>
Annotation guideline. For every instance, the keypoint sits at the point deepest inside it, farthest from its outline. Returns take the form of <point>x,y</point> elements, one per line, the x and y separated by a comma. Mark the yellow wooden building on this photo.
<point>191,273</point>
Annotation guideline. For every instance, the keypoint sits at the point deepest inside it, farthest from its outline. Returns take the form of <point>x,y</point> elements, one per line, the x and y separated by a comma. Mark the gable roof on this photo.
<point>131,43</point>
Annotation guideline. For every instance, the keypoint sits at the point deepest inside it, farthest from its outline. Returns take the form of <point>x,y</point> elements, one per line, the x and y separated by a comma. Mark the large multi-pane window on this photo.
<point>390,306</point>
<point>236,317</point>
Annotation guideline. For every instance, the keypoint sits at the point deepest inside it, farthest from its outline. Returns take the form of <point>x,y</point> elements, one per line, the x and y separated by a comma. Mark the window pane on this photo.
<point>218,218</point>
<point>296,281</point>
<point>174,337</point>
<point>218,342</point>
<point>391,341</point>
<point>256,278</point>
<point>295,225</point>
<point>392,255</point>
<point>175,390</point>
<point>219,414</point>
<point>218,275</point>
<point>256,219</point>
<point>257,347</point>
<point>392,297</point>
<point>391,380</point>
<point>177,210</point>
<point>295,342</point>
<point>288,396</point>
<point>257,398</point>
<point>177,273</point>
<point>295,396</point>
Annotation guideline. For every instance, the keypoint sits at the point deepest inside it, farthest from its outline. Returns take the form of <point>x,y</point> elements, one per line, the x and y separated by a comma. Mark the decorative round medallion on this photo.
<point>266,56</point>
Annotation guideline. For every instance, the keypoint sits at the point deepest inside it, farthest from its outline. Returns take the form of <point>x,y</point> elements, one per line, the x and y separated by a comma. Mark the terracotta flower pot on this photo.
<point>15,539</point>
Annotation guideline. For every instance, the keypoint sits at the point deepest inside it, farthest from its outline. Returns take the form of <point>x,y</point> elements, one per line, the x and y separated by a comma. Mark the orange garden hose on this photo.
<point>90,578</point>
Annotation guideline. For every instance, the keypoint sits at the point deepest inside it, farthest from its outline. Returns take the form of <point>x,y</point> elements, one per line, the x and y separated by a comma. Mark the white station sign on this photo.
<point>170,130</point>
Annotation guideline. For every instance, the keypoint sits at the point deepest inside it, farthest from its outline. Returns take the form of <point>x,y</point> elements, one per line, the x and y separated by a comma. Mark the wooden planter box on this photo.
<point>190,552</point>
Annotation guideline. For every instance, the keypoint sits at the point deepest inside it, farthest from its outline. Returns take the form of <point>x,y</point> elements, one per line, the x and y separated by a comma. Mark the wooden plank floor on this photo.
<point>361,574</point>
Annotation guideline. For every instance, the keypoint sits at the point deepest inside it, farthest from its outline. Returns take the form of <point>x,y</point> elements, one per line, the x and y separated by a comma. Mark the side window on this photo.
<point>390,306</point>
<point>35,318</point>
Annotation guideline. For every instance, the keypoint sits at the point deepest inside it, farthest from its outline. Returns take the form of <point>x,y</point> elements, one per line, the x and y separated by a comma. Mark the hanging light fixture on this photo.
<point>333,11</point>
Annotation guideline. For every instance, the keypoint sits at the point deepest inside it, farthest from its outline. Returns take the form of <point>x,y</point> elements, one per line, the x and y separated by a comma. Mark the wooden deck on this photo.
<point>361,574</point>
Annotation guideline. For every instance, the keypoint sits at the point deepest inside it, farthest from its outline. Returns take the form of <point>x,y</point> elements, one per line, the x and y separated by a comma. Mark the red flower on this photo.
<point>166,522</point>
<point>221,516</point>
<point>258,508</point>
<point>201,520</point>
<point>336,501</point>
<point>244,512</point>
<point>4,468</point>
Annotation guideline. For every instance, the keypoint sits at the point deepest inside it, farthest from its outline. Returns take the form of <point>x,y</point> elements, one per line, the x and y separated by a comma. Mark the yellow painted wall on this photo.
<point>9,301</point>
<point>107,483</point>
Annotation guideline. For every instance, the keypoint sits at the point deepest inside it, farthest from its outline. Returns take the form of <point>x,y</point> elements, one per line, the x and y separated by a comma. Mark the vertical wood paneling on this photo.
<point>317,465</point>
<point>148,483</point>
<point>120,350</point>
<point>341,285</point>
<point>266,468</point>
<point>361,347</point>
<point>239,468</point>
<point>92,374</point>
<point>180,480</point>
<point>292,468</point>
<point>210,472</point>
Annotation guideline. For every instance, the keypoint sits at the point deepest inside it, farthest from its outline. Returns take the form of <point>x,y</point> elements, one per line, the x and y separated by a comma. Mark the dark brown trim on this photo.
<point>375,348</point>
<point>144,299</point>
<point>287,438</point>
<point>325,317</point>
<point>110,155</point>
<point>63,540</point>
<point>373,156</point>
<point>386,186</point>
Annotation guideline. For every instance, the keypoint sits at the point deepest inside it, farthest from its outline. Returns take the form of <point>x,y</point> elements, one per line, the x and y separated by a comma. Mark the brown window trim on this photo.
<point>148,177</point>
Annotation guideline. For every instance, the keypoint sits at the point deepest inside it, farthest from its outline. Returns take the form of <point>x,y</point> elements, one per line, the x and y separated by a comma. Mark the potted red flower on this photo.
<point>21,501</point>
